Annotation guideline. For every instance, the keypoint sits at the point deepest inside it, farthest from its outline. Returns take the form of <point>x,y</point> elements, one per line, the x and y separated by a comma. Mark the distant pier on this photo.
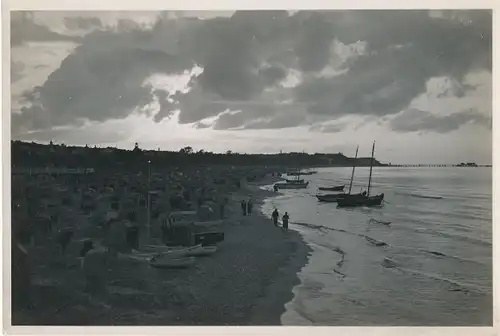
<point>469,165</point>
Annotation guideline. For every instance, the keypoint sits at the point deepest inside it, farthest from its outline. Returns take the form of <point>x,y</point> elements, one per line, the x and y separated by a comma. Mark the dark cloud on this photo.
<point>197,105</point>
<point>103,79</point>
<point>414,120</point>
<point>247,55</point>
<point>386,79</point>
<point>24,29</point>
<point>273,74</point>
<point>314,40</point>
<point>231,51</point>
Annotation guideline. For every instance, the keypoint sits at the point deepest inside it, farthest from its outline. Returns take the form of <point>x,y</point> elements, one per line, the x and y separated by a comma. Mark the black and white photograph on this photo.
<point>250,167</point>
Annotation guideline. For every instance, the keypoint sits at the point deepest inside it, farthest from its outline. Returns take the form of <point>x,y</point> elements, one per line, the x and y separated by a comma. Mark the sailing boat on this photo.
<point>335,197</point>
<point>362,199</point>
<point>296,183</point>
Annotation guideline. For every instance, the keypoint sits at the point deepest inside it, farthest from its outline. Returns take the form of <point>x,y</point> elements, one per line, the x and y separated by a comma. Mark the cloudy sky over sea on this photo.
<point>417,82</point>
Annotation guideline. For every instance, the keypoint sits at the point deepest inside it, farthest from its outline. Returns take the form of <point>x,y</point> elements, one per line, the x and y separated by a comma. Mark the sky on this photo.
<point>419,83</point>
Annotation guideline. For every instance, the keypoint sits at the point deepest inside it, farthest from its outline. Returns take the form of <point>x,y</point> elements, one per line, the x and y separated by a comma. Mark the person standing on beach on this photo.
<point>244,207</point>
<point>275,215</point>
<point>249,207</point>
<point>285,220</point>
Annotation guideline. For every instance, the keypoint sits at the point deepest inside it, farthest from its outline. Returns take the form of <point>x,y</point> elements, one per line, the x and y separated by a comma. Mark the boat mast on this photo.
<point>297,176</point>
<point>353,168</point>
<point>371,167</point>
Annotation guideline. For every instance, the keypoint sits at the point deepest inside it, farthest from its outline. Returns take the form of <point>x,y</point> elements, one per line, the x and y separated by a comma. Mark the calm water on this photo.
<point>436,266</point>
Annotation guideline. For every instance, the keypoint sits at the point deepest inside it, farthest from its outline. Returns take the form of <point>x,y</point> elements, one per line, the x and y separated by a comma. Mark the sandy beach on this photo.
<point>247,282</point>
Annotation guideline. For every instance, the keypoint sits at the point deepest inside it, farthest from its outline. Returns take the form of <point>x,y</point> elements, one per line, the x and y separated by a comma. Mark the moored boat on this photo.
<point>197,250</point>
<point>336,188</point>
<point>292,185</point>
<point>200,251</point>
<point>329,197</point>
<point>308,172</point>
<point>165,249</point>
<point>163,261</point>
<point>363,199</point>
<point>335,197</point>
<point>296,183</point>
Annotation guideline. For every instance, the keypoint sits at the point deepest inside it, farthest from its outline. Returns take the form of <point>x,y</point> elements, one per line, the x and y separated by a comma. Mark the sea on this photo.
<point>424,258</point>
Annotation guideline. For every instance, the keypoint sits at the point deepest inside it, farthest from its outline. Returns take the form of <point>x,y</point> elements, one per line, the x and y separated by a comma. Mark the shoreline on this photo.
<point>246,282</point>
<point>280,292</point>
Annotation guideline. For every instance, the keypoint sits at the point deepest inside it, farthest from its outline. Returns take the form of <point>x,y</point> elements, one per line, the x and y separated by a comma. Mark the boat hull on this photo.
<point>208,238</point>
<point>301,173</point>
<point>337,188</point>
<point>295,181</point>
<point>360,201</point>
<point>292,185</point>
<point>202,251</point>
<point>166,249</point>
<point>168,262</point>
<point>330,198</point>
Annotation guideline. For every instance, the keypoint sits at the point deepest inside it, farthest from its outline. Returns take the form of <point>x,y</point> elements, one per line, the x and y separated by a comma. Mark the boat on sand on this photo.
<point>165,261</point>
<point>201,251</point>
<point>195,251</point>
<point>164,248</point>
<point>296,183</point>
<point>292,185</point>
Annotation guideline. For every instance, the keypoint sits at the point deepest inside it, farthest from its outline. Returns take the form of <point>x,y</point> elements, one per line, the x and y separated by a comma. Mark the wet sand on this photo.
<point>246,282</point>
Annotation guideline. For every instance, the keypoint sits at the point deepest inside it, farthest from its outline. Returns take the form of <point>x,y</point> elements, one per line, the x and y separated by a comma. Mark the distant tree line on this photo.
<point>26,154</point>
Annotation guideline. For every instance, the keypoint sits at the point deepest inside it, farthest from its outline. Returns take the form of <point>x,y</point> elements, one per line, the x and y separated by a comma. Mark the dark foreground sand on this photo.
<point>247,282</point>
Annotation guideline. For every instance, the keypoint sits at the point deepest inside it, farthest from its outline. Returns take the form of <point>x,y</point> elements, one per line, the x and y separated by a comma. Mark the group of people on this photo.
<point>246,207</point>
<point>275,216</point>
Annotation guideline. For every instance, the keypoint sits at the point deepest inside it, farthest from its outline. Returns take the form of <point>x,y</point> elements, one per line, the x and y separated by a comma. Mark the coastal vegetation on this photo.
<point>30,154</point>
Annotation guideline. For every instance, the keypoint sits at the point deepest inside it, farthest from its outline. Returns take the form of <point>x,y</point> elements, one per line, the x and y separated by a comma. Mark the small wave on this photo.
<point>342,253</point>
<point>447,235</point>
<point>340,273</point>
<point>419,196</point>
<point>463,238</point>
<point>375,242</point>
<point>461,229</point>
<point>389,263</point>
<point>334,249</point>
<point>323,228</point>
<point>455,286</point>
<point>444,255</point>
<point>379,221</point>
<point>436,253</point>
